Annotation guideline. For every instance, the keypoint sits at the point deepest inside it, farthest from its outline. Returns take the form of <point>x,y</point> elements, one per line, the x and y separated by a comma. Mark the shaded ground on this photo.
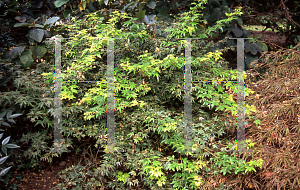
<point>47,178</point>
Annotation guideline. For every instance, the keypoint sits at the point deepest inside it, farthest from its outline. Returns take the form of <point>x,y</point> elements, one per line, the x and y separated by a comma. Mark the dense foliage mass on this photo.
<point>149,99</point>
<point>150,152</point>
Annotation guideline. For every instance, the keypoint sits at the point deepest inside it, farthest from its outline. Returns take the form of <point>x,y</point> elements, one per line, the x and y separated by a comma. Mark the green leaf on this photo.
<point>52,20</point>
<point>239,21</point>
<point>249,169</point>
<point>15,115</point>
<point>216,14</point>
<point>247,47</point>
<point>253,50</point>
<point>3,172</point>
<point>162,9</point>
<point>141,14</point>
<point>237,32</point>
<point>38,51</point>
<point>259,49</point>
<point>20,18</point>
<point>66,12</point>
<point>249,58</point>
<point>15,52</point>
<point>8,114</point>
<point>5,141</point>
<point>3,114</point>
<point>82,5</point>
<point>36,34</point>
<point>26,58</point>
<point>38,26</point>
<point>5,124</point>
<point>11,146</point>
<point>151,4</point>
<point>11,120</point>
<point>262,45</point>
<point>24,24</point>
<point>2,160</point>
<point>59,3</point>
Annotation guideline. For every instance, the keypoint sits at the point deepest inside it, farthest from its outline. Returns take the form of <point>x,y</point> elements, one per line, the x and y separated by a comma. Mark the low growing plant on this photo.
<point>5,145</point>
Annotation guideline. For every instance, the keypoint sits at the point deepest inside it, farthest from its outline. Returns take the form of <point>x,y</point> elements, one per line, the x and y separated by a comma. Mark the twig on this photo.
<point>287,13</point>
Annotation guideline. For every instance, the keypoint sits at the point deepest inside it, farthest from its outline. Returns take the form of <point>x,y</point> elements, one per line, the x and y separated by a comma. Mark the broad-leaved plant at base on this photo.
<point>4,144</point>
